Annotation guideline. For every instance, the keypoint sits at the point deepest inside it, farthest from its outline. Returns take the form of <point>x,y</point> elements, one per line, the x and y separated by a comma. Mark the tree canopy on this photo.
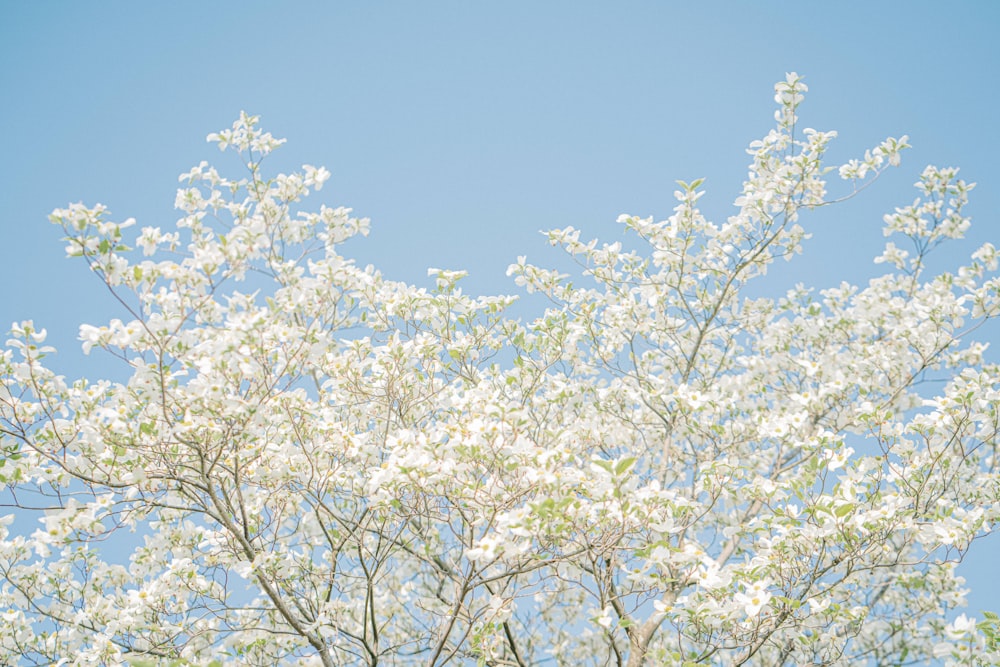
<point>309,463</point>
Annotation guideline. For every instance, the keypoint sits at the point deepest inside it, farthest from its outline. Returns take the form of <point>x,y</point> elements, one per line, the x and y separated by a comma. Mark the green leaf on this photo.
<point>624,465</point>
<point>136,661</point>
<point>843,510</point>
<point>602,464</point>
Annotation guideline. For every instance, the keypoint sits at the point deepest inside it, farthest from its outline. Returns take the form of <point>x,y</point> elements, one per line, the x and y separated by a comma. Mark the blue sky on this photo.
<point>463,128</point>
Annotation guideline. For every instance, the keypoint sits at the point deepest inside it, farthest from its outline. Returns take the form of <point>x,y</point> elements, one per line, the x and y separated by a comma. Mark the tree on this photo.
<point>311,463</point>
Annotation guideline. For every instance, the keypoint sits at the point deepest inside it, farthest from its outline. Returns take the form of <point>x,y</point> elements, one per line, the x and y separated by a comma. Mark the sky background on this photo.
<point>462,129</point>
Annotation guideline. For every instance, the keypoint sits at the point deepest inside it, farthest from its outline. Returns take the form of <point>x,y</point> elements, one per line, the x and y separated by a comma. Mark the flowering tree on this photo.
<point>310,463</point>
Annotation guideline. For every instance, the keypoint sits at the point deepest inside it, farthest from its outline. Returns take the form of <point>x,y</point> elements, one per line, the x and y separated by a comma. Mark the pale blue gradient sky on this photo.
<point>464,128</point>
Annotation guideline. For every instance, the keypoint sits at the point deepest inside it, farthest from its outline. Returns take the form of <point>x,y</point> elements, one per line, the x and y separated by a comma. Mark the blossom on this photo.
<point>836,458</point>
<point>754,597</point>
<point>605,618</point>
<point>486,549</point>
<point>299,460</point>
<point>960,627</point>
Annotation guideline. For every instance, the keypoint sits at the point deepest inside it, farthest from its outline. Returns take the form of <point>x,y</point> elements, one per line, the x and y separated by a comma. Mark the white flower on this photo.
<point>837,458</point>
<point>91,336</point>
<point>960,627</point>
<point>486,550</point>
<point>818,605</point>
<point>605,620</point>
<point>710,576</point>
<point>754,597</point>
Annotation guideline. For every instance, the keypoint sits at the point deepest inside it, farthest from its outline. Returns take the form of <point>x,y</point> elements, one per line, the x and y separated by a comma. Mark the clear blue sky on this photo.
<point>464,128</point>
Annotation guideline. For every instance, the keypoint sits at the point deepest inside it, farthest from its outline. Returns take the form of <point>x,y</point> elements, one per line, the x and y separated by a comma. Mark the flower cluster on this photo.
<point>306,463</point>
